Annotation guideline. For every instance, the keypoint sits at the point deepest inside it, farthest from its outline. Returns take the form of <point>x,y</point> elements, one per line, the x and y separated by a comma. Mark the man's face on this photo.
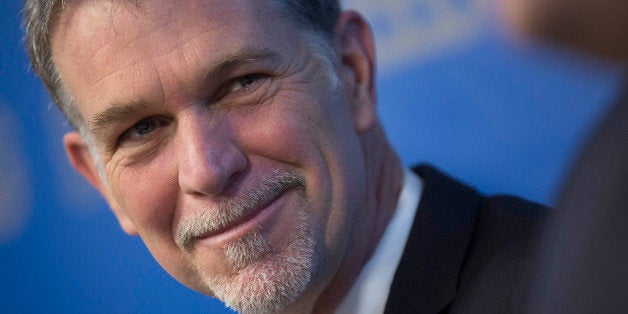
<point>222,140</point>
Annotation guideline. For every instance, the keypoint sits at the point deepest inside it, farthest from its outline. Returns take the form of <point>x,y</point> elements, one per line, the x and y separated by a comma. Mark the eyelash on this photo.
<point>127,137</point>
<point>248,83</point>
<point>249,79</point>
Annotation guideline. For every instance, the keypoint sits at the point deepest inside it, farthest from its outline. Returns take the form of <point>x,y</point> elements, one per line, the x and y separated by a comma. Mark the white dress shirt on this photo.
<point>369,293</point>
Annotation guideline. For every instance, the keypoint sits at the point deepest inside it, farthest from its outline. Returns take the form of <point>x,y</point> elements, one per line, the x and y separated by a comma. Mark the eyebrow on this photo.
<point>243,56</point>
<point>103,120</point>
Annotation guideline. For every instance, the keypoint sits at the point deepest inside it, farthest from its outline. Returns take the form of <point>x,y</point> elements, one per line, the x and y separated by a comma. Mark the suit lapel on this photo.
<point>427,276</point>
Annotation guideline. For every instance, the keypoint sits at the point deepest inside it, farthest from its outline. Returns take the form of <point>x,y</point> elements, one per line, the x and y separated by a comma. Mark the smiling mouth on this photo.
<point>246,215</point>
<point>230,214</point>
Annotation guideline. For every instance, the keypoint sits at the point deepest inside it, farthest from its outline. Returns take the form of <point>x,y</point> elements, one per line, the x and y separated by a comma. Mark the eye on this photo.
<point>244,82</point>
<point>145,126</point>
<point>141,130</point>
<point>248,80</point>
<point>241,85</point>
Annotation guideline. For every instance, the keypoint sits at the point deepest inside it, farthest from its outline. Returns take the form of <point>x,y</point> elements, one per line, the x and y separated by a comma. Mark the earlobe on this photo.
<point>127,226</point>
<point>356,47</point>
<point>81,159</point>
<point>364,110</point>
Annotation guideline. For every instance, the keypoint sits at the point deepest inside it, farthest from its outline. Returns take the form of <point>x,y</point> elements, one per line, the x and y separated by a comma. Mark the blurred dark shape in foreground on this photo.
<point>584,267</point>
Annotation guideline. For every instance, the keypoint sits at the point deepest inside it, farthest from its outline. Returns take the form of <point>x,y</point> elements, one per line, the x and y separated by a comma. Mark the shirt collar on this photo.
<point>370,290</point>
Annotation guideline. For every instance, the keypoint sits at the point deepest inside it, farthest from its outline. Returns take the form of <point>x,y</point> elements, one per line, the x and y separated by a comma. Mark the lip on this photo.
<point>259,217</point>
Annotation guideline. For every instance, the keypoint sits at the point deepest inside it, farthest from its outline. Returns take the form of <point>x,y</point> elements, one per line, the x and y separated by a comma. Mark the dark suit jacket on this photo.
<point>466,253</point>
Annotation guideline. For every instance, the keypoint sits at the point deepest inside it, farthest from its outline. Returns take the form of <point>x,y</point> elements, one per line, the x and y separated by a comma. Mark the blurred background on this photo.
<point>454,92</point>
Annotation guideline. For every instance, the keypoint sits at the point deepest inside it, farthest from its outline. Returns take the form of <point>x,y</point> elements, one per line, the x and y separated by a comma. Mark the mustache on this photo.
<point>226,213</point>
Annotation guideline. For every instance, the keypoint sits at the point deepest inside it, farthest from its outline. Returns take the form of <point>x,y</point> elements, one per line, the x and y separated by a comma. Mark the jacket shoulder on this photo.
<point>502,256</point>
<point>466,253</point>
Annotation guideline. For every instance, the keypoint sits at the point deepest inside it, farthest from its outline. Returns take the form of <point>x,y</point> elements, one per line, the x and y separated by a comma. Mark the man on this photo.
<point>240,141</point>
<point>585,264</point>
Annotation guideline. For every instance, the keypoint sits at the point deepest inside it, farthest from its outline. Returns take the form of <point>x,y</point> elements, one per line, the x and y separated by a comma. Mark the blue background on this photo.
<point>499,116</point>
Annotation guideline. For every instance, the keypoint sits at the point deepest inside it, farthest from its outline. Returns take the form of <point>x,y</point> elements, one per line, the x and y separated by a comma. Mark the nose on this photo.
<point>209,155</point>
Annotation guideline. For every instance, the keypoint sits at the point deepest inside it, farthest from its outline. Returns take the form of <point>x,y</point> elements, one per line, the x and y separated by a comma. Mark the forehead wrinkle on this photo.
<point>247,54</point>
<point>141,58</point>
<point>150,32</point>
<point>175,43</point>
<point>146,30</point>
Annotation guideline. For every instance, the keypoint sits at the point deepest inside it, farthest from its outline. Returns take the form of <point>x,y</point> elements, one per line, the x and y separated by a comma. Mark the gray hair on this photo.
<point>312,16</point>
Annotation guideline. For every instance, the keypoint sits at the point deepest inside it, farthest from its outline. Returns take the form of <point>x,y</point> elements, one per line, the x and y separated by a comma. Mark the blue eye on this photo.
<point>141,131</point>
<point>244,82</point>
<point>240,90</point>
<point>144,126</point>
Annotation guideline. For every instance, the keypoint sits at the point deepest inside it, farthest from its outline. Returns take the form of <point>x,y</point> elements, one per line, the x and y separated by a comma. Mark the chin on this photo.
<point>261,277</point>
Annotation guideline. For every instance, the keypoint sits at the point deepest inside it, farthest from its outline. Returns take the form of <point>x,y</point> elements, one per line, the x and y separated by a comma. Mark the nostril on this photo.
<point>211,167</point>
<point>211,159</point>
<point>235,179</point>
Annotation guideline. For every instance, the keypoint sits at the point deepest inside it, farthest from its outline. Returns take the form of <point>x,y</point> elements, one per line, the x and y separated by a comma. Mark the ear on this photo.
<point>356,48</point>
<point>82,161</point>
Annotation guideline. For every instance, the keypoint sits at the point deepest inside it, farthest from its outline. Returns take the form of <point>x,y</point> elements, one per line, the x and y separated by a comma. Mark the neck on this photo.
<point>384,179</point>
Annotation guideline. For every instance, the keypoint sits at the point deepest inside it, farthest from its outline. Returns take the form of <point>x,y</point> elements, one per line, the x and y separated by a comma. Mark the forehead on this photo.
<point>92,28</point>
<point>95,41</point>
<point>130,19</point>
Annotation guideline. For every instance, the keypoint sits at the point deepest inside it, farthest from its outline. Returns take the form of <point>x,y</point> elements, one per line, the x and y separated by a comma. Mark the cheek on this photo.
<point>321,143</point>
<point>279,132</point>
<point>147,194</point>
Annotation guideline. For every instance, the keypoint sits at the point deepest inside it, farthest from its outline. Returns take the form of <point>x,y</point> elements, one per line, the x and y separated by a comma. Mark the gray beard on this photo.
<point>266,280</point>
<point>262,278</point>
<point>226,212</point>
